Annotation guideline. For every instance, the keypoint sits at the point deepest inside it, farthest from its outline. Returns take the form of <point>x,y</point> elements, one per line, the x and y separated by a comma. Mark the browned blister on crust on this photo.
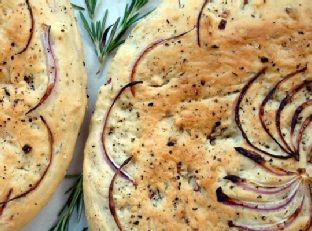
<point>42,103</point>
<point>216,135</point>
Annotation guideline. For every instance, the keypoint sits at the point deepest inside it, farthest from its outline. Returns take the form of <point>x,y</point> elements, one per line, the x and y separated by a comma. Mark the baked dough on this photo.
<point>42,103</point>
<point>206,124</point>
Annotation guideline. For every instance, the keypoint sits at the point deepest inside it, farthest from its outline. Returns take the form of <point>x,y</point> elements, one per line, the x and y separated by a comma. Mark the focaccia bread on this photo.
<point>42,103</point>
<point>206,124</point>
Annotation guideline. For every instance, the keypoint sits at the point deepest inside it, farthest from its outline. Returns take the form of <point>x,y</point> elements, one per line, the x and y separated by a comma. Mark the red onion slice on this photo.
<point>112,205</point>
<point>51,66</point>
<point>36,184</point>
<point>238,117</point>
<point>199,21</point>
<point>260,189</point>
<point>266,100</point>
<point>259,206</point>
<point>271,227</point>
<point>294,120</point>
<point>3,206</point>
<point>114,166</point>
<point>283,104</point>
<point>304,126</point>
<point>31,30</point>
<point>263,163</point>
<point>308,195</point>
<point>148,49</point>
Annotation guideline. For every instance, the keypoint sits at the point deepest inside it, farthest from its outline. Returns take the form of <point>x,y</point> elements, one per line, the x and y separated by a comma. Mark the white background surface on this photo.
<point>48,215</point>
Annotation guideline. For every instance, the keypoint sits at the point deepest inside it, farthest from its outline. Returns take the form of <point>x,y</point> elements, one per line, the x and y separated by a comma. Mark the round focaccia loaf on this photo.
<point>42,103</point>
<point>206,123</point>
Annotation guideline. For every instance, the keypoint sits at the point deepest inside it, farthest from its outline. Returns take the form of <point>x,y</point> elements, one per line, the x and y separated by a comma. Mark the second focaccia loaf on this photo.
<point>42,103</point>
<point>207,122</point>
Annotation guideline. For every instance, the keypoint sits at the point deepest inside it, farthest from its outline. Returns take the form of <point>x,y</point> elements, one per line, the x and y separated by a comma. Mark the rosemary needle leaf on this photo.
<point>86,25</point>
<point>91,6</point>
<point>75,6</point>
<point>72,176</point>
<point>74,202</point>
<point>112,36</point>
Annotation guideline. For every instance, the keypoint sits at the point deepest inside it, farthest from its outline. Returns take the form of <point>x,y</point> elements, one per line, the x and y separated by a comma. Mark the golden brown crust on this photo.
<point>197,147</point>
<point>42,103</point>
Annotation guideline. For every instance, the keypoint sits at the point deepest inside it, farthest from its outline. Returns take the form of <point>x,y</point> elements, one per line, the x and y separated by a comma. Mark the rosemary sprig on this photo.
<point>74,201</point>
<point>107,38</point>
<point>91,6</point>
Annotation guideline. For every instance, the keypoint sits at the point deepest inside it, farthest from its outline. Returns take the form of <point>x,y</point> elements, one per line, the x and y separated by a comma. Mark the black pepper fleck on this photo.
<point>222,24</point>
<point>27,148</point>
<point>264,59</point>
